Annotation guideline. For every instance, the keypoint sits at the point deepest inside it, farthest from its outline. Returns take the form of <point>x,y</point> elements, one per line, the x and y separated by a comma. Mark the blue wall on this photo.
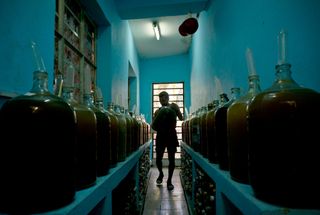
<point>227,28</point>
<point>166,69</point>
<point>216,61</point>
<point>21,23</point>
<point>36,21</point>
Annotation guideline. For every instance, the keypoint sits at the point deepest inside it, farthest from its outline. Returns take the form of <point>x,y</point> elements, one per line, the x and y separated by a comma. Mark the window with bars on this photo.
<point>176,95</point>
<point>75,43</point>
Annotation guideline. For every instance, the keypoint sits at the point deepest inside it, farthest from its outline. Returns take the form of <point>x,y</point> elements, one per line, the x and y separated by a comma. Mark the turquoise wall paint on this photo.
<point>21,23</point>
<point>133,94</point>
<point>166,69</point>
<point>103,65</point>
<point>133,89</point>
<point>121,51</point>
<point>227,28</point>
<point>36,21</point>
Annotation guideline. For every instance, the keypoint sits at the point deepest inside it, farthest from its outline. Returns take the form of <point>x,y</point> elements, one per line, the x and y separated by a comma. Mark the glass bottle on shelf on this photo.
<point>122,133</point>
<point>112,126</point>
<point>195,131</point>
<point>130,127</point>
<point>135,133</point>
<point>190,120</point>
<point>37,149</point>
<point>114,134</point>
<point>237,126</point>
<point>128,131</point>
<point>103,123</point>
<point>140,131</point>
<point>144,129</point>
<point>211,132</point>
<point>203,130</point>
<point>283,151</point>
<point>86,134</point>
<point>222,130</point>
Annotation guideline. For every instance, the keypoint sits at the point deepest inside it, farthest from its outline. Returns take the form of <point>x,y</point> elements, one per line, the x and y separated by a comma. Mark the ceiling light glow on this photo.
<point>156,30</point>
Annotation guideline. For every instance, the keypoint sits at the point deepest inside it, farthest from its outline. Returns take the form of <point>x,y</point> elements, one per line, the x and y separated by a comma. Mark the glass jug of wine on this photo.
<point>283,148</point>
<point>37,149</point>
<point>237,126</point>
<point>86,133</point>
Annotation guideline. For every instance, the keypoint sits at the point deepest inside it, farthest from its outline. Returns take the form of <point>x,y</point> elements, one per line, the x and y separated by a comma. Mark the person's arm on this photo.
<point>175,107</point>
<point>154,124</point>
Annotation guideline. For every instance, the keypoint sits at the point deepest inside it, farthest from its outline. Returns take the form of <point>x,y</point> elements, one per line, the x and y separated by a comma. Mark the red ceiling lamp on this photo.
<point>189,26</point>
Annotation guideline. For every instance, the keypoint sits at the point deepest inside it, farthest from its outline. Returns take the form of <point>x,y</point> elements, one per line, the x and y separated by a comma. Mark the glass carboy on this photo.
<point>86,134</point>
<point>37,150</point>
<point>237,127</point>
<point>283,125</point>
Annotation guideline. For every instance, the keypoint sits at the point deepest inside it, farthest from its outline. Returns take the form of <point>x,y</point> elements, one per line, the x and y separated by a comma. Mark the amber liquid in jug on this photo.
<point>86,133</point>
<point>122,144</point>
<point>283,148</point>
<point>220,141</point>
<point>238,138</point>
<point>237,134</point>
<point>114,135</point>
<point>37,151</point>
<point>210,127</point>
<point>103,125</point>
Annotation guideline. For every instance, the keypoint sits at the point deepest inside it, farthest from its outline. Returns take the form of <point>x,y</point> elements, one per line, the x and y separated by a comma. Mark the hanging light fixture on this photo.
<point>156,30</point>
<point>189,26</point>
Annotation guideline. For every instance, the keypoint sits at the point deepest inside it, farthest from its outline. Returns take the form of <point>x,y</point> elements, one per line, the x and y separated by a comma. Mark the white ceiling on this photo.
<point>169,14</point>
<point>170,43</point>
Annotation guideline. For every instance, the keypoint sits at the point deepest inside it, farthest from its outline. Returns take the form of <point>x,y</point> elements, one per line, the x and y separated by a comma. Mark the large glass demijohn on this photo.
<point>237,126</point>
<point>86,133</point>
<point>283,126</point>
<point>37,149</point>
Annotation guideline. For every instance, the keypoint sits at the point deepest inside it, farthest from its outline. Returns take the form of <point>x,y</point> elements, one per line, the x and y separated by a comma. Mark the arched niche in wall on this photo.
<point>132,88</point>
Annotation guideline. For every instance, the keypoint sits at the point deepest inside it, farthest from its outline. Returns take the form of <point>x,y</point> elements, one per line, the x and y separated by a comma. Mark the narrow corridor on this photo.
<point>160,201</point>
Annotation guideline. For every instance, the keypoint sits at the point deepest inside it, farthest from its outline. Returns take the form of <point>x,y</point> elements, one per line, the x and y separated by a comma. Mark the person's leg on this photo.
<point>171,157</point>
<point>159,156</point>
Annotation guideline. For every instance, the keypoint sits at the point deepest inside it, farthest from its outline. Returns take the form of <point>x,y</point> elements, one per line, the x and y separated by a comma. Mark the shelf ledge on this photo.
<point>240,195</point>
<point>85,200</point>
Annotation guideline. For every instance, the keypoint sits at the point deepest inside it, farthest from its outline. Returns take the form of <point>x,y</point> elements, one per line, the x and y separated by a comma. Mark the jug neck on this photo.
<point>283,77</point>
<point>40,82</point>
<point>67,93</point>
<point>235,93</point>
<point>88,99</point>
<point>254,84</point>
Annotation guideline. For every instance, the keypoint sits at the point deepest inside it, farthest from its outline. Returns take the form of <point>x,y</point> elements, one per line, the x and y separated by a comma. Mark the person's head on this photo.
<point>164,98</point>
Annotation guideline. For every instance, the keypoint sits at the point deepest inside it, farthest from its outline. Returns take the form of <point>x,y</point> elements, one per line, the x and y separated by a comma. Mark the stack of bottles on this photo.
<point>264,138</point>
<point>52,145</point>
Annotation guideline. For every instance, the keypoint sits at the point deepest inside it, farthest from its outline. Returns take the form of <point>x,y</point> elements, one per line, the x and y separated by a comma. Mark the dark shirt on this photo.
<point>164,123</point>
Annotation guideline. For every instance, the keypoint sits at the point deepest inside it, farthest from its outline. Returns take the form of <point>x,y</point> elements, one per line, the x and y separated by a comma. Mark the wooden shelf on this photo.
<point>239,195</point>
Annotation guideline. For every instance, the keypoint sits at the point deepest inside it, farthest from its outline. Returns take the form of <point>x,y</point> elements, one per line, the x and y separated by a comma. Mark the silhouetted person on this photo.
<point>164,123</point>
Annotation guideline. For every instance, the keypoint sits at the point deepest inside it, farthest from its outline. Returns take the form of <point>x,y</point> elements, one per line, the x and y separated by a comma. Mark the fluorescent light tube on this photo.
<point>156,30</point>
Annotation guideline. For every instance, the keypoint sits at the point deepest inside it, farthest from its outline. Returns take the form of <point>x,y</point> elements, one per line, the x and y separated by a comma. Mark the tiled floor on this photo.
<point>160,201</point>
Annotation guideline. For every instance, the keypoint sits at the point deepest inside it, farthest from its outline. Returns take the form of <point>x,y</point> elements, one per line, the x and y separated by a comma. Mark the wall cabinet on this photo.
<point>232,197</point>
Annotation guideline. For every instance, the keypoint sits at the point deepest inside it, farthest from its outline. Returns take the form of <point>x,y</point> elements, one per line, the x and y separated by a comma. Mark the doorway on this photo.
<point>176,95</point>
